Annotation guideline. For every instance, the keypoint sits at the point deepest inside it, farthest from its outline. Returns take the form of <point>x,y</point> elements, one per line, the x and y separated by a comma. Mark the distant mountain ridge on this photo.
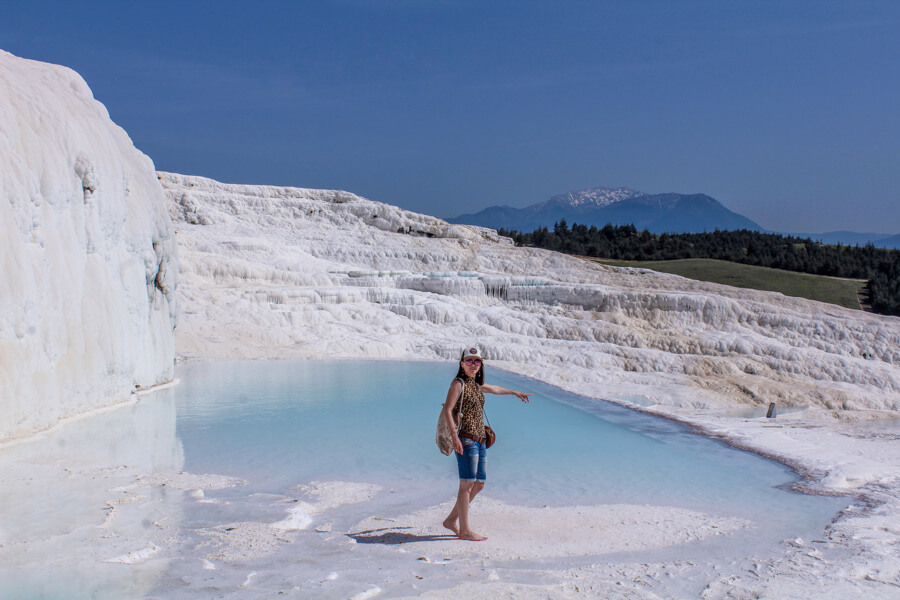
<point>891,241</point>
<point>659,213</point>
<point>853,238</point>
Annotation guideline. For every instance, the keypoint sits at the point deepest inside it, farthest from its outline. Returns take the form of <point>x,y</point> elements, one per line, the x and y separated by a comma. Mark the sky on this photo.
<point>787,112</point>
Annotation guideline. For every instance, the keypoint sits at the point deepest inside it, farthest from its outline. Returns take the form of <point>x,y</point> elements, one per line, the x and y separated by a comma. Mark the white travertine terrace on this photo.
<point>272,272</point>
<point>88,260</point>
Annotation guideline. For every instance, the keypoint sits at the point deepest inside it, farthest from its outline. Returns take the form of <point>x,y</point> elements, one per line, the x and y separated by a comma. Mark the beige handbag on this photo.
<point>444,435</point>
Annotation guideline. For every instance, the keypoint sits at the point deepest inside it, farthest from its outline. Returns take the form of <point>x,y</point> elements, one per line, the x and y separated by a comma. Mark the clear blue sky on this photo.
<point>787,112</point>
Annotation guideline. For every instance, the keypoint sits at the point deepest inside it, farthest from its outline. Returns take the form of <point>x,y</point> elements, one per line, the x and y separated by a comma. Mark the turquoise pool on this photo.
<point>84,517</point>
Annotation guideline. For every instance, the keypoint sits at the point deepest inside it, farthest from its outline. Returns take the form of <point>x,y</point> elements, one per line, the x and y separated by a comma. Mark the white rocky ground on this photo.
<point>271,272</point>
<point>88,262</point>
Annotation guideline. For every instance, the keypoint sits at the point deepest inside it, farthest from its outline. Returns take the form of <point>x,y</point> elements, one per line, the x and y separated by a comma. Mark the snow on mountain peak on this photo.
<point>595,197</point>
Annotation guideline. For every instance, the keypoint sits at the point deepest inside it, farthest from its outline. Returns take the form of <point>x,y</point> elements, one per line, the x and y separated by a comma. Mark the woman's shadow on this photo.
<point>391,537</point>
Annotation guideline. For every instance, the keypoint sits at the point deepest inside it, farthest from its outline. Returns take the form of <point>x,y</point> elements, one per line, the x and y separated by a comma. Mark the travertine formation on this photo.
<point>88,260</point>
<point>271,272</point>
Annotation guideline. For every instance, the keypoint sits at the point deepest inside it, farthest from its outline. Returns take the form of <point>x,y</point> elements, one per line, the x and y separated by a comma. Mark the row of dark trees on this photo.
<point>879,266</point>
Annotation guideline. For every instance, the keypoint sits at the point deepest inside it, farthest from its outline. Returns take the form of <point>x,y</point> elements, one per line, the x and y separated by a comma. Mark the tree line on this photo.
<point>879,266</point>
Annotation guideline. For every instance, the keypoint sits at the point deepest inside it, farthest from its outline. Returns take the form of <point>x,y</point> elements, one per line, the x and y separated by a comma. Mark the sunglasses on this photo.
<point>472,361</point>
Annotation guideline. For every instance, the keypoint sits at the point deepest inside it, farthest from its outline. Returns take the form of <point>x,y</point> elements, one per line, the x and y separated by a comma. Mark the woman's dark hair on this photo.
<point>479,376</point>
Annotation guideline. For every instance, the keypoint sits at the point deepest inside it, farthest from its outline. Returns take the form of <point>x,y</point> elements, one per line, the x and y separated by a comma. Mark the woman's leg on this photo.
<point>472,475</point>
<point>479,485</point>
<point>453,517</point>
<point>472,488</point>
<point>463,500</point>
<point>467,491</point>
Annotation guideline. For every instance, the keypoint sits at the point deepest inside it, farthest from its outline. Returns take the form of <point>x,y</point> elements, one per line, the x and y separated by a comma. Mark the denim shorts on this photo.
<point>472,462</point>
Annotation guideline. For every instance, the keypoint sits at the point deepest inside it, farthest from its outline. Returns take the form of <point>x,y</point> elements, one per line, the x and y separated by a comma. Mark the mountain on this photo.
<point>854,238</point>
<point>659,213</point>
<point>892,241</point>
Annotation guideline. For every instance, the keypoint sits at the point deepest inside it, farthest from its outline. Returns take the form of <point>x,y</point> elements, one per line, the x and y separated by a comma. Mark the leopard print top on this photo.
<point>471,409</point>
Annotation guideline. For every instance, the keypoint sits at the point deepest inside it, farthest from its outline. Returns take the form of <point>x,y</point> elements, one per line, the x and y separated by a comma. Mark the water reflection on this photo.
<point>73,500</point>
<point>277,424</point>
<point>68,503</point>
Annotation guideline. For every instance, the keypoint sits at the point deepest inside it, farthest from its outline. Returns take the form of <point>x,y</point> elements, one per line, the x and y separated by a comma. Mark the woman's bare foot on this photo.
<point>451,525</point>
<point>471,536</point>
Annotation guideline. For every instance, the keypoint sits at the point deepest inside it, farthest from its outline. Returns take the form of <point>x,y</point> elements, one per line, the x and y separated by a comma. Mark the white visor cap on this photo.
<point>472,352</point>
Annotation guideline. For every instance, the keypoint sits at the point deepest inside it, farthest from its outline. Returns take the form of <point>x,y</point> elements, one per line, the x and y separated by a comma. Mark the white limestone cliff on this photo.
<point>272,272</point>
<point>88,258</point>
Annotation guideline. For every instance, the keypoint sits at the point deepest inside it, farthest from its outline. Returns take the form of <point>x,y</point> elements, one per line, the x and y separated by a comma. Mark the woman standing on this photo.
<point>469,436</point>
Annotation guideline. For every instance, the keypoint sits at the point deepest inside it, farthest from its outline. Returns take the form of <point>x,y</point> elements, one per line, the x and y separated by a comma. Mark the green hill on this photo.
<point>843,292</point>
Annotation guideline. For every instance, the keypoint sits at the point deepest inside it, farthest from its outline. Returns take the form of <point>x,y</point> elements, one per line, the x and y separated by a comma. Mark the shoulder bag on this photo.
<point>444,435</point>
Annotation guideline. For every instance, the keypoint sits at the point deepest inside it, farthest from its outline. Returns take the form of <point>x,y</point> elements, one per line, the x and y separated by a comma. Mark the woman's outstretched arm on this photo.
<point>502,391</point>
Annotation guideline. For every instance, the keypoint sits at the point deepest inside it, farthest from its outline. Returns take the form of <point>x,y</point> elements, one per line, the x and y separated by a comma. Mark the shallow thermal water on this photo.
<point>278,425</point>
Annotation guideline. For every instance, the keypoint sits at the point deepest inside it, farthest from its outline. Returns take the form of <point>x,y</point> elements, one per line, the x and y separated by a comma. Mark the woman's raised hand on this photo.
<point>521,396</point>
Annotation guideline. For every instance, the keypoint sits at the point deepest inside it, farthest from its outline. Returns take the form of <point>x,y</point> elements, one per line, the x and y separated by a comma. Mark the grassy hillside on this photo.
<point>844,292</point>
